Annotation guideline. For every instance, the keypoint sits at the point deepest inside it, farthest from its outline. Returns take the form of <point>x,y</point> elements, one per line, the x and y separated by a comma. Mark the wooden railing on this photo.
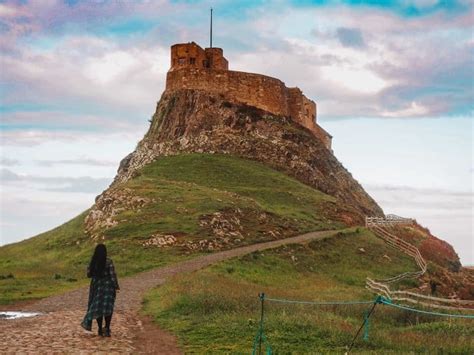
<point>390,219</point>
<point>377,225</point>
<point>416,298</point>
<point>401,245</point>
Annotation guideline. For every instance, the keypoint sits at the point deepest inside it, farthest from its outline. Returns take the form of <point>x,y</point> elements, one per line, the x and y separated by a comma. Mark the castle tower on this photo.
<point>191,55</point>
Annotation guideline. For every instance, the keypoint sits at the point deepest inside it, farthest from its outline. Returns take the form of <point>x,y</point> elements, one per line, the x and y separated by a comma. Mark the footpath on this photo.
<point>58,329</point>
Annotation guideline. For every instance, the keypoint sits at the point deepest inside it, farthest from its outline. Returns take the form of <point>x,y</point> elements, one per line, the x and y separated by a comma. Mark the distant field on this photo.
<point>217,309</point>
<point>186,189</point>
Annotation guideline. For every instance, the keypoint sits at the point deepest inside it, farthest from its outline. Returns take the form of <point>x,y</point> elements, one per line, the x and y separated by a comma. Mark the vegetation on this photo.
<point>217,309</point>
<point>55,261</point>
<point>185,189</point>
<point>188,187</point>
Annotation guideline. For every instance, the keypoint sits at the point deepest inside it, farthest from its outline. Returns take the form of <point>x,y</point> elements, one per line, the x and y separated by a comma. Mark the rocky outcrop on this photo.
<point>194,121</point>
<point>108,205</point>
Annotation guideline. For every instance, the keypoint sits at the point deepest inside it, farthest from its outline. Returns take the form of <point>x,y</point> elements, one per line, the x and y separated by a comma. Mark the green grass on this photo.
<point>216,310</point>
<point>185,189</point>
<point>55,261</point>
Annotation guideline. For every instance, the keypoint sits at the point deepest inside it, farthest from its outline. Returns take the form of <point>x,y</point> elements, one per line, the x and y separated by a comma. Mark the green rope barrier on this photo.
<point>261,339</point>
<point>389,303</point>
<point>319,303</point>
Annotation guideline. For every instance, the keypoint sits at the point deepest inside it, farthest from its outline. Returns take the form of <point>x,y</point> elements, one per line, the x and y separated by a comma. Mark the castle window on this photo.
<point>192,61</point>
<point>205,64</point>
<point>182,60</point>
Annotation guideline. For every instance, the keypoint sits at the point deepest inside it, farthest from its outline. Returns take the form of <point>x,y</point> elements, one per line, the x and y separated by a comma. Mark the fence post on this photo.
<point>262,300</point>
<point>366,326</point>
<point>369,313</point>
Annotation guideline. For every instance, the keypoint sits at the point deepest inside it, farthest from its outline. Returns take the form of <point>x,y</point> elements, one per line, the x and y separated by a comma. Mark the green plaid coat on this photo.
<point>102,293</point>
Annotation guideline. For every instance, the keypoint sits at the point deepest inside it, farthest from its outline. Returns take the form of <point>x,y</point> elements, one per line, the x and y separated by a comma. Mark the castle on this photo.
<point>193,67</point>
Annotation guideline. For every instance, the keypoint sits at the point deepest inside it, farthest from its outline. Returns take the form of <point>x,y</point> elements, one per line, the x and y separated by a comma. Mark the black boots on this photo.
<point>104,332</point>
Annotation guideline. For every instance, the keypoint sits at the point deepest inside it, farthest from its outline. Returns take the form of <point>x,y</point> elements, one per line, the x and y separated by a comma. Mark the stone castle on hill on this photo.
<point>193,67</point>
<point>208,109</point>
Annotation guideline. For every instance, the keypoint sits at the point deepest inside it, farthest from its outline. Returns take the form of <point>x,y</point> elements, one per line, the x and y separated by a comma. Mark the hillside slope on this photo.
<point>217,310</point>
<point>174,208</point>
<point>445,275</point>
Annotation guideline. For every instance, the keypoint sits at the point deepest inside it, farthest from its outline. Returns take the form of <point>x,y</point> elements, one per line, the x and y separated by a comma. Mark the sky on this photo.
<point>393,81</point>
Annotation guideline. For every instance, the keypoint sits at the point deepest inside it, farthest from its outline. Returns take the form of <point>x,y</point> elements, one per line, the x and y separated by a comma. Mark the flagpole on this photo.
<point>211,30</point>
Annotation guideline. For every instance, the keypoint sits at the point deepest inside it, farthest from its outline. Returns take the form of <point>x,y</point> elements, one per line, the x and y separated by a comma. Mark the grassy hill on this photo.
<point>209,202</point>
<point>195,197</point>
<point>216,310</point>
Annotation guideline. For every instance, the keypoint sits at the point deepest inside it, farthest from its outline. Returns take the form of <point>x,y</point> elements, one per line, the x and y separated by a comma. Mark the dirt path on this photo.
<point>58,329</point>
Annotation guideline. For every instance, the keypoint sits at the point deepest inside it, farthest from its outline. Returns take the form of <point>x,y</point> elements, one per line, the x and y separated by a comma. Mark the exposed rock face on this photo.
<point>108,205</point>
<point>194,121</point>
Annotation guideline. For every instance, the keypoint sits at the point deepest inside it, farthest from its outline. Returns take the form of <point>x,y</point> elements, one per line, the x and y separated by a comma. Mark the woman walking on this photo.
<point>102,291</point>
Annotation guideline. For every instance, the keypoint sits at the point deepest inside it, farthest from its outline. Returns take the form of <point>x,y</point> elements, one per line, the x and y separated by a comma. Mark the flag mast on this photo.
<point>211,31</point>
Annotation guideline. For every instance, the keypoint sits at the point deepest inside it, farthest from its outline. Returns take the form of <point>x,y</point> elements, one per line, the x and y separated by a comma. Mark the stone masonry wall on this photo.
<point>263,92</point>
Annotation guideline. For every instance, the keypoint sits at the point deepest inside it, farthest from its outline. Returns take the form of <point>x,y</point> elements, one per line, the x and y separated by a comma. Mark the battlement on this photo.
<point>206,69</point>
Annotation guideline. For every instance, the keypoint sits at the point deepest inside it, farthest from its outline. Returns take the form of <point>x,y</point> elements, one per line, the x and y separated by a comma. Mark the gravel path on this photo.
<point>58,330</point>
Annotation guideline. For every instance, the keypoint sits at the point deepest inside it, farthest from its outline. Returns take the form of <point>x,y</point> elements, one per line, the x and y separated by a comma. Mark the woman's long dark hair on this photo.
<point>97,265</point>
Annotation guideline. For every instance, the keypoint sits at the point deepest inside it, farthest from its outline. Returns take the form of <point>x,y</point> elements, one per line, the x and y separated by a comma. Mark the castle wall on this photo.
<point>257,90</point>
<point>264,92</point>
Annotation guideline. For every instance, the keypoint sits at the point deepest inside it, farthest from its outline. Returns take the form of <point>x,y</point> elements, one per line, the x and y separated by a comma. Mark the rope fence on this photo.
<point>338,303</point>
<point>385,295</point>
<point>439,314</point>
<point>261,344</point>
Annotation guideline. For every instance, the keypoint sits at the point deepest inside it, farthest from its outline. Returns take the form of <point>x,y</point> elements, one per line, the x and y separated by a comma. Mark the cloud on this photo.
<point>34,137</point>
<point>7,175</point>
<point>83,184</point>
<point>41,210</point>
<point>427,199</point>
<point>395,72</point>
<point>8,162</point>
<point>374,61</point>
<point>350,37</point>
<point>414,110</point>
<point>79,161</point>
<point>103,77</point>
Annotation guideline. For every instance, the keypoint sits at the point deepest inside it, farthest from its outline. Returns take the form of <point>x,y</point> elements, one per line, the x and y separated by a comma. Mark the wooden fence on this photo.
<point>377,225</point>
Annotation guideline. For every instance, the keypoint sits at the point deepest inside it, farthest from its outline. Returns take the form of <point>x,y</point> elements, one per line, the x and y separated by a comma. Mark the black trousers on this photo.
<point>108,319</point>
